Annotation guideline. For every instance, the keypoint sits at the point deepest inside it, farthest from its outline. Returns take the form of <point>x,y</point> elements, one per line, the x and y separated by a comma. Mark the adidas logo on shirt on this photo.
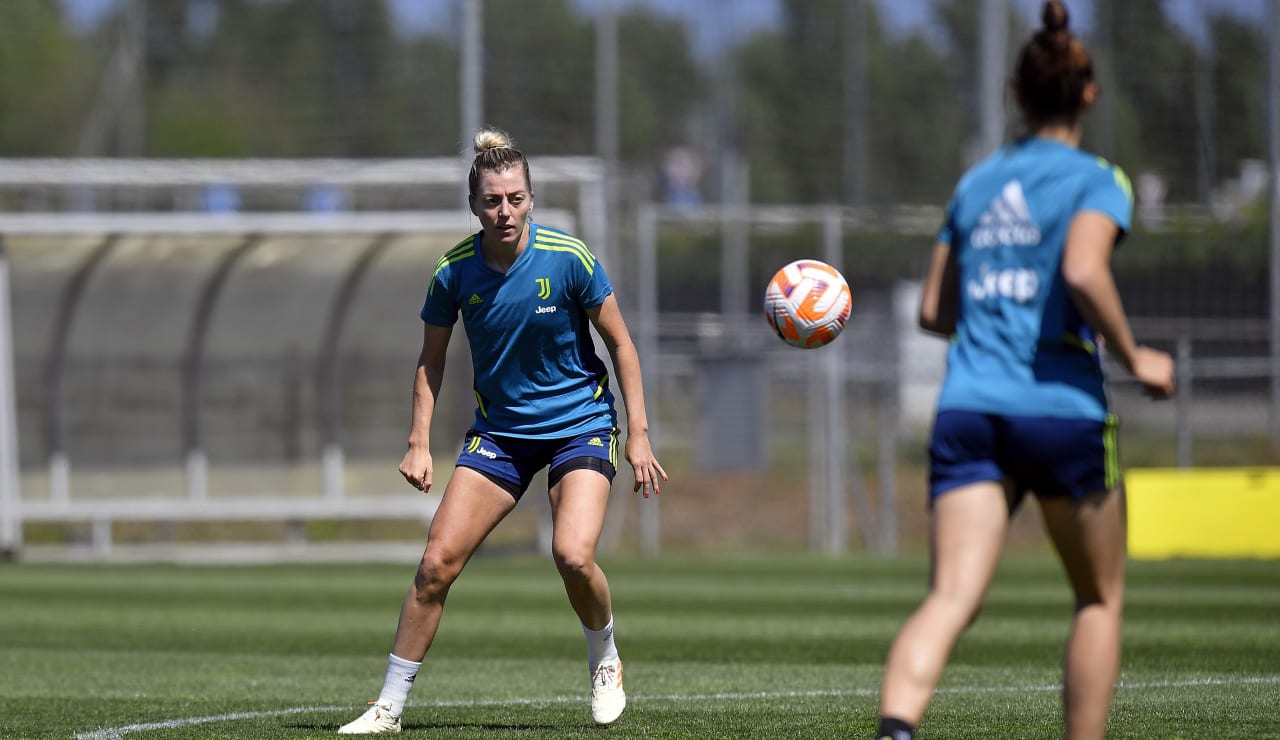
<point>1007,221</point>
<point>474,299</point>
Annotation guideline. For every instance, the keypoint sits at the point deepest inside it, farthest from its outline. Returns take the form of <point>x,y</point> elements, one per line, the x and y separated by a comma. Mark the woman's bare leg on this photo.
<point>967,533</point>
<point>471,507</point>
<point>578,503</point>
<point>1090,538</point>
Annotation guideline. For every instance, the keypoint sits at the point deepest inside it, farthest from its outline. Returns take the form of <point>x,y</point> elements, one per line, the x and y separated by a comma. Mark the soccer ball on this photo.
<point>807,303</point>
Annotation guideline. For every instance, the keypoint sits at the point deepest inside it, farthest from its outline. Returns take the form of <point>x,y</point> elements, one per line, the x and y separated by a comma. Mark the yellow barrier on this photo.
<point>1204,512</point>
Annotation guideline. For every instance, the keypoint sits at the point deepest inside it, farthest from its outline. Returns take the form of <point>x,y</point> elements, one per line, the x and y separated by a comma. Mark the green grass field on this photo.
<point>747,647</point>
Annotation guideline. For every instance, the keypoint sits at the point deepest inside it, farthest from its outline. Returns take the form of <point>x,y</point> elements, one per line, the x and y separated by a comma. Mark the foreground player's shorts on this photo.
<point>1047,456</point>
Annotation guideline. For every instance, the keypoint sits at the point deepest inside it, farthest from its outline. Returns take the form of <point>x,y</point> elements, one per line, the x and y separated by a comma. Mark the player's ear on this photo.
<point>471,203</point>
<point>1089,95</point>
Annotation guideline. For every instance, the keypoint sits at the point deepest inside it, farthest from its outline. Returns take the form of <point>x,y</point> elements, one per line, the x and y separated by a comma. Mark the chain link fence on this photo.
<point>712,141</point>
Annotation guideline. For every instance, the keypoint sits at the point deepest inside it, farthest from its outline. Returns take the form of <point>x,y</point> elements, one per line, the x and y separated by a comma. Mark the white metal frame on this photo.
<point>836,479</point>
<point>331,504</point>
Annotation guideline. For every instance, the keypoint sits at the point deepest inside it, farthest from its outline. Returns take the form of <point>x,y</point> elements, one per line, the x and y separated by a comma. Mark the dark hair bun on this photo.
<point>1054,16</point>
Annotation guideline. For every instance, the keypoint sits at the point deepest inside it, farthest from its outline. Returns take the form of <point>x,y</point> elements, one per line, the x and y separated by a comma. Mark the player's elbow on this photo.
<point>927,315</point>
<point>1081,274</point>
<point>938,328</point>
<point>936,322</point>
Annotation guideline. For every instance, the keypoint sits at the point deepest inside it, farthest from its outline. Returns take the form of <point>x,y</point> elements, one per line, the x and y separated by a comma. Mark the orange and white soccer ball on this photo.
<point>807,303</point>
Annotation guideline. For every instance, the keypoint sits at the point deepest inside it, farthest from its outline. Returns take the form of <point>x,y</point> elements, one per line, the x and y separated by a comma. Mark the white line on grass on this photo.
<point>114,733</point>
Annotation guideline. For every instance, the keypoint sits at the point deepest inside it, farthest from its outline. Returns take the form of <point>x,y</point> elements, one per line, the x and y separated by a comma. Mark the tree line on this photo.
<point>298,78</point>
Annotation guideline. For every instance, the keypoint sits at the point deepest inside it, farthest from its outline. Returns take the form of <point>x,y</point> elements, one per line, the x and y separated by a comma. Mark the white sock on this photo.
<point>395,688</point>
<point>600,644</point>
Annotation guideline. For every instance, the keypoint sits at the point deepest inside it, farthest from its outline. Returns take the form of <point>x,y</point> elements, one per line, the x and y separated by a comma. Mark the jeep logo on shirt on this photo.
<point>1019,284</point>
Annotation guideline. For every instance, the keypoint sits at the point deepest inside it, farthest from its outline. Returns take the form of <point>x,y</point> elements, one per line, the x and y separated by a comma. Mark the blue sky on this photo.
<point>900,15</point>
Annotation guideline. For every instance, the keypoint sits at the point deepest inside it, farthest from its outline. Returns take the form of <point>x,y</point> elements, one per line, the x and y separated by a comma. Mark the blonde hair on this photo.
<point>495,152</point>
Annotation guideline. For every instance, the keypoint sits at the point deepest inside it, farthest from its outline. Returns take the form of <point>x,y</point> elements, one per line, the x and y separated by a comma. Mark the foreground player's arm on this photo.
<point>1086,268</point>
<point>607,320</point>
<point>939,296</point>
<point>416,465</point>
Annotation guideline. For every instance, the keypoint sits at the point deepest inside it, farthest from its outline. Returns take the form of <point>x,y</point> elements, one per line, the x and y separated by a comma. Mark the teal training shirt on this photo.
<point>535,366</point>
<point>1021,347</point>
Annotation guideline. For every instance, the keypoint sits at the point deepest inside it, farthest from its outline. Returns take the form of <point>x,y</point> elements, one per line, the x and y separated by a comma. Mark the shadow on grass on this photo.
<point>416,726</point>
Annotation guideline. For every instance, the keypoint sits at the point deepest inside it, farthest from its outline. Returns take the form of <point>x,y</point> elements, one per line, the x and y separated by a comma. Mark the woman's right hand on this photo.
<point>1154,369</point>
<point>416,468</point>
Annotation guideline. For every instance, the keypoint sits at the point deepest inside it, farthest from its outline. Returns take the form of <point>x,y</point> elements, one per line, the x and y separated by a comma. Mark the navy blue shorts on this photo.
<point>1046,456</point>
<point>511,462</point>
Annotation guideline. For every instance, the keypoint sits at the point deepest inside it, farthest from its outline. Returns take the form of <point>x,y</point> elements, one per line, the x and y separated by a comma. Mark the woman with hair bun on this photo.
<point>528,295</point>
<point>1020,281</point>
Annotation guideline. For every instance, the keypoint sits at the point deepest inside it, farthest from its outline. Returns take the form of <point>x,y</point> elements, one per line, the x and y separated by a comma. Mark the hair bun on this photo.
<point>1054,16</point>
<point>490,138</point>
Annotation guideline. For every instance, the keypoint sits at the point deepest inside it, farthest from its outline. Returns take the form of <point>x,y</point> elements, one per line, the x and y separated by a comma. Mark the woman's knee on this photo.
<point>958,608</point>
<point>436,573</point>
<point>577,563</point>
<point>1108,598</point>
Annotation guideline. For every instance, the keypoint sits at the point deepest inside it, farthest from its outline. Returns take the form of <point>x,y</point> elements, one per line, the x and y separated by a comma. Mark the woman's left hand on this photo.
<point>646,467</point>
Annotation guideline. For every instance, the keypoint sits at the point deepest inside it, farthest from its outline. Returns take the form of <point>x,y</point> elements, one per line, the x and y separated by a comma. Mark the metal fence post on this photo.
<point>1182,401</point>
<point>1273,208</point>
<point>887,457</point>
<point>329,367</point>
<point>196,462</point>
<point>840,455</point>
<point>647,342</point>
<point>10,481</point>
